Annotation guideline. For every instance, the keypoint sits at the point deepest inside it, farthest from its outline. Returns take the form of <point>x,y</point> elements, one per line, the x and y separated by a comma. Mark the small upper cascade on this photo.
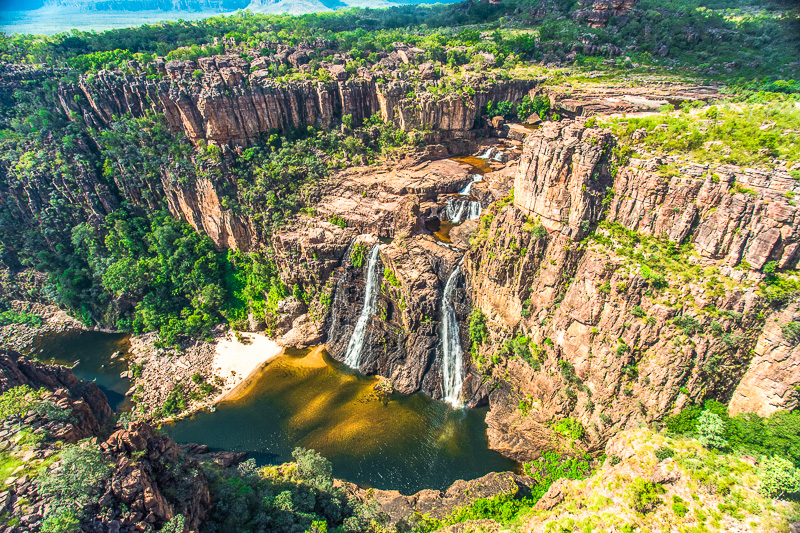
<point>355,347</point>
<point>452,354</point>
<point>467,190</point>
<point>459,210</point>
<point>488,153</point>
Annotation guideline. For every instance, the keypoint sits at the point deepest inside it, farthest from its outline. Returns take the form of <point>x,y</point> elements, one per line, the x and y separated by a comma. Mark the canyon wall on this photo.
<point>150,480</point>
<point>231,102</point>
<point>616,342</point>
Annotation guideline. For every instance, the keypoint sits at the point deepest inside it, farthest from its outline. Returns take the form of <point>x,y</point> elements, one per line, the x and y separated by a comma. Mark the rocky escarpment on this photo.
<point>231,102</point>
<point>150,480</point>
<point>620,324</point>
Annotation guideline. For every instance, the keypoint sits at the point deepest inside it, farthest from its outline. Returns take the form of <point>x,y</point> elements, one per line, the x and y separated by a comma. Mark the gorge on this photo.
<point>472,267</point>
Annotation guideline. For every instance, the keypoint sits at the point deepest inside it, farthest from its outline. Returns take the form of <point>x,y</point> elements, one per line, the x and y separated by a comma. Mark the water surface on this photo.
<point>305,398</point>
<point>90,352</point>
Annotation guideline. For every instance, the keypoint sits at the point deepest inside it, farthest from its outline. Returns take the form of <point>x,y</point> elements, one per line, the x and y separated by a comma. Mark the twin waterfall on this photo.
<point>356,345</point>
<point>458,210</point>
<point>452,354</point>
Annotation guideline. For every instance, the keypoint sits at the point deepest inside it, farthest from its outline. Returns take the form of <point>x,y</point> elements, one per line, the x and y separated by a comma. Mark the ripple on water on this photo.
<point>305,398</point>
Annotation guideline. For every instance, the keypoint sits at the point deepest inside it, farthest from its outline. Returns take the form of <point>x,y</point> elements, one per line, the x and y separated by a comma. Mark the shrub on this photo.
<point>18,402</point>
<point>358,255</point>
<point>779,478</point>
<point>688,324</point>
<point>60,520</point>
<point>678,507</point>
<point>478,333</point>
<point>522,347</point>
<point>711,430</point>
<point>81,473</point>
<point>791,332</point>
<point>662,452</point>
<point>643,495</point>
<point>13,317</point>
<point>176,525</point>
<point>570,427</point>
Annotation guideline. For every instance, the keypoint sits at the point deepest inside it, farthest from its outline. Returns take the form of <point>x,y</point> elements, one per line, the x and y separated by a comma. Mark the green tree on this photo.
<point>779,478</point>
<point>711,430</point>
<point>81,473</point>
<point>643,495</point>
<point>18,402</point>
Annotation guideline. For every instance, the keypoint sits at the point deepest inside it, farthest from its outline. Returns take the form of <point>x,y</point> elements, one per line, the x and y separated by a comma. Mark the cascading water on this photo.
<point>459,210</point>
<point>452,354</point>
<point>455,210</point>
<point>356,345</point>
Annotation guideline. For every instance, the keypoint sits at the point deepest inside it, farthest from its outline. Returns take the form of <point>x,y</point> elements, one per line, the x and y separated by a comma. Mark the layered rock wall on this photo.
<point>228,101</point>
<point>612,342</point>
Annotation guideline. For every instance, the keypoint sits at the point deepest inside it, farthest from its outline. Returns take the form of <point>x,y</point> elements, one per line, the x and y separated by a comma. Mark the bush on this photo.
<point>678,506</point>
<point>478,332</point>
<point>358,255</point>
<point>711,430</point>
<point>13,317</point>
<point>18,401</point>
<point>688,324</point>
<point>662,452</point>
<point>779,478</point>
<point>74,484</point>
<point>570,427</point>
<point>522,347</point>
<point>643,495</point>
<point>791,332</point>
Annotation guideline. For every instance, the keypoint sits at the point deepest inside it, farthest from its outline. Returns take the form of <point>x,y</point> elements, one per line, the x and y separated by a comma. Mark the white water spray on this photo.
<point>459,210</point>
<point>356,345</point>
<point>452,354</point>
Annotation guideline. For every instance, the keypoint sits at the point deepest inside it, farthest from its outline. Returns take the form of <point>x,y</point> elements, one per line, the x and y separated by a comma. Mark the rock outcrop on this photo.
<point>771,381</point>
<point>609,340</point>
<point>150,480</point>
<point>404,511</point>
<point>233,102</point>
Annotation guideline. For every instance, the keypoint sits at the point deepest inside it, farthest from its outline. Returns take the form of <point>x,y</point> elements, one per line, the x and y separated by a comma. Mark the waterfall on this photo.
<point>356,345</point>
<point>452,354</point>
<point>487,154</point>
<point>455,210</point>
<point>459,210</point>
<point>474,210</point>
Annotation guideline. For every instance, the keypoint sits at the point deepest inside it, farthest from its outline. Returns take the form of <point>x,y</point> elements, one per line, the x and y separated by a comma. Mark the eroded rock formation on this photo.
<point>150,482</point>
<point>606,349</point>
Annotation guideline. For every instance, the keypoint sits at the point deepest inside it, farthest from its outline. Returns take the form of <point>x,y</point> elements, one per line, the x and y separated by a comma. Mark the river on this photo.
<point>305,398</point>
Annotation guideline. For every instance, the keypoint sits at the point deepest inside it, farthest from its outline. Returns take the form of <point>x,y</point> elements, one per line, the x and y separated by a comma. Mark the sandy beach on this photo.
<point>235,361</point>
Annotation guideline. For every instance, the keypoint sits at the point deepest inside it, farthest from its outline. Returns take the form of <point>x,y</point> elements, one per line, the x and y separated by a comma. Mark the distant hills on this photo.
<point>221,6</point>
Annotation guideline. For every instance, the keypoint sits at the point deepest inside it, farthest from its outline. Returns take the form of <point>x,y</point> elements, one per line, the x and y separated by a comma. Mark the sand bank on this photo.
<point>235,359</point>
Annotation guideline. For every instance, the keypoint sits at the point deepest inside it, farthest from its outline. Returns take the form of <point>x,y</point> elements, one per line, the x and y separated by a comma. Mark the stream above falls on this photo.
<point>305,398</point>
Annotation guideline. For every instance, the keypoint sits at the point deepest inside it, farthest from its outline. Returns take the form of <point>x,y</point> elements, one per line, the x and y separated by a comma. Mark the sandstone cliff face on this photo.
<point>771,381</point>
<point>16,371</point>
<point>607,351</point>
<point>562,177</point>
<point>728,213</point>
<point>233,102</point>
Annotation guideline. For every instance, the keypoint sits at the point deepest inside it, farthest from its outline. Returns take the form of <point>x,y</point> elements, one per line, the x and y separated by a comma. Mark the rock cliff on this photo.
<point>621,323</point>
<point>150,480</point>
<point>229,101</point>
